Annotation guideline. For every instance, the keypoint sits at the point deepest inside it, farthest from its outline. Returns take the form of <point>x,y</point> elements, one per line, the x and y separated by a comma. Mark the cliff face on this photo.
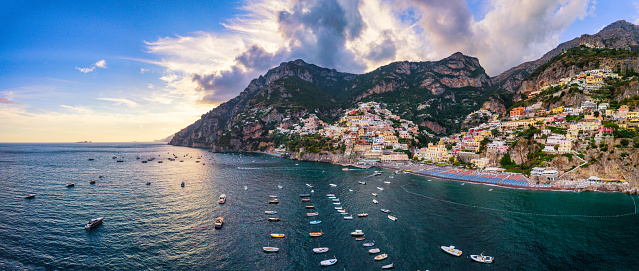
<point>432,94</point>
<point>618,35</point>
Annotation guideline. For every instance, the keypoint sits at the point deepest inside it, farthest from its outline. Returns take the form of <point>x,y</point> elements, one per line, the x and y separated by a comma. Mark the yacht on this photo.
<point>361,238</point>
<point>94,223</point>
<point>357,233</point>
<point>335,199</point>
<point>388,266</point>
<point>328,262</point>
<point>218,222</point>
<point>377,173</point>
<point>381,257</point>
<point>452,250</point>
<point>222,199</point>
<point>30,196</point>
<point>374,250</point>
<point>278,235</point>
<point>481,258</point>
<point>309,185</point>
<point>305,195</point>
<point>392,218</point>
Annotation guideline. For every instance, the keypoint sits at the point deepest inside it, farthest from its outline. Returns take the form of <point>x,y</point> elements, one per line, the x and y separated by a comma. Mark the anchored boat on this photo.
<point>452,250</point>
<point>94,223</point>
<point>218,222</point>
<point>481,258</point>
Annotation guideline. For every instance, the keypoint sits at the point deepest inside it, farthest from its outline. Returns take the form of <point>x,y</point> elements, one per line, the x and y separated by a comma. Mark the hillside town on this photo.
<point>373,135</point>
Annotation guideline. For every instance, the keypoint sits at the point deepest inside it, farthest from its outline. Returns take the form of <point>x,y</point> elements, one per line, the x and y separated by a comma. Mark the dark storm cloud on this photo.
<point>384,50</point>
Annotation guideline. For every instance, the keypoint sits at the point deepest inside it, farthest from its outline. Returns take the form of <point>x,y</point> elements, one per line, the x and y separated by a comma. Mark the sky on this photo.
<point>121,71</point>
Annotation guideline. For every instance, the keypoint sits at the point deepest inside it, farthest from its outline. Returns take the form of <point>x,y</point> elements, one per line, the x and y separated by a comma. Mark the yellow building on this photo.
<point>434,152</point>
<point>480,162</point>
<point>565,146</point>
<point>557,110</point>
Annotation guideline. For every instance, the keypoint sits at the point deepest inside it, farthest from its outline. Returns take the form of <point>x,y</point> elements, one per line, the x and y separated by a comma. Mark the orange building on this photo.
<point>517,111</point>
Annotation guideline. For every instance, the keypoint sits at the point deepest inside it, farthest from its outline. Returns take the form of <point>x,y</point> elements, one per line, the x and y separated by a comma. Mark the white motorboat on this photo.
<point>338,207</point>
<point>94,223</point>
<point>386,182</point>
<point>309,185</point>
<point>386,211</point>
<point>481,258</point>
<point>380,188</point>
<point>270,212</point>
<point>388,266</point>
<point>316,234</point>
<point>320,249</point>
<point>312,214</point>
<point>375,201</point>
<point>369,244</point>
<point>330,195</point>
<point>269,248</point>
<point>452,250</point>
<point>329,262</point>
<point>392,218</point>
<point>361,182</point>
<point>348,217</point>
<point>278,235</point>
<point>335,200</point>
<point>332,184</point>
<point>357,233</point>
<point>315,222</point>
<point>374,250</point>
<point>222,199</point>
<point>218,222</point>
<point>279,186</point>
<point>337,203</point>
<point>245,188</point>
<point>374,194</point>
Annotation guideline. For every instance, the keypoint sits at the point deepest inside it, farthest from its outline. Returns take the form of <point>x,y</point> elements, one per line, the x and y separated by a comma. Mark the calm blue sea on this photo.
<point>163,226</point>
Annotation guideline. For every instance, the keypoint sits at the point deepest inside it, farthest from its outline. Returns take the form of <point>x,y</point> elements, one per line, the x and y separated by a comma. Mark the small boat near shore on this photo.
<point>94,223</point>
<point>381,257</point>
<point>362,215</point>
<point>218,222</point>
<point>388,266</point>
<point>273,219</point>
<point>315,222</point>
<point>316,234</point>
<point>357,233</point>
<point>452,250</point>
<point>375,201</point>
<point>481,258</point>
<point>270,212</point>
<point>273,201</point>
<point>222,199</point>
<point>30,196</point>
<point>328,262</point>
<point>369,244</point>
<point>374,250</point>
<point>278,235</point>
<point>312,214</point>
<point>362,182</point>
<point>386,211</point>
<point>392,218</point>
<point>269,248</point>
<point>70,184</point>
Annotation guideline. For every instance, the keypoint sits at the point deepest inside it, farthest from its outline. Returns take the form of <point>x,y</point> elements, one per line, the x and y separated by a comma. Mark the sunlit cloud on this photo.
<point>6,101</point>
<point>359,36</point>
<point>121,101</point>
<point>99,64</point>
<point>77,108</point>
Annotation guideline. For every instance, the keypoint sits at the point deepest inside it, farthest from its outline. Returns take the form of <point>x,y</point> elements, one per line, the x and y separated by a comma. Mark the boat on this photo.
<point>350,190</point>
<point>311,214</point>
<point>374,194</point>
<point>392,218</point>
<point>361,238</point>
<point>218,222</point>
<point>305,195</point>
<point>386,211</point>
<point>120,161</point>
<point>309,185</point>
<point>361,182</point>
<point>375,201</point>
<point>316,234</point>
<point>91,159</point>
<point>328,262</point>
<point>320,249</point>
<point>333,185</point>
<point>369,244</point>
<point>272,196</point>
<point>386,182</point>
<point>348,217</point>
<point>343,213</point>
<point>148,183</point>
<point>315,222</point>
<point>306,200</point>
<point>270,212</point>
<point>481,258</point>
<point>338,207</point>
<point>309,207</point>
<point>94,223</point>
<point>380,188</point>
<point>330,195</point>
<point>312,191</point>
<point>273,219</point>
<point>381,257</point>
<point>452,250</point>
<point>346,169</point>
<point>114,157</point>
<point>269,248</point>
<point>279,186</point>
<point>70,184</point>
<point>160,162</point>
<point>337,203</point>
<point>222,199</point>
<point>377,173</point>
<point>245,188</point>
<point>357,233</point>
<point>335,200</point>
<point>144,161</point>
<point>374,250</point>
<point>388,266</point>
<point>277,235</point>
<point>92,182</point>
<point>182,185</point>
<point>30,196</point>
<point>362,215</point>
<point>273,201</point>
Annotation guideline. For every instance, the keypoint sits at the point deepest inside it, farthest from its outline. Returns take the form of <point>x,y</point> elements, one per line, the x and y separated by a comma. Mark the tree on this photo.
<point>596,114</point>
<point>494,132</point>
<point>624,142</point>
<point>506,161</point>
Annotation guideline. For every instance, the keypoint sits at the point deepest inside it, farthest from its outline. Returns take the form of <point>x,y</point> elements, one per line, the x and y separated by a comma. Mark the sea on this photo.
<point>163,226</point>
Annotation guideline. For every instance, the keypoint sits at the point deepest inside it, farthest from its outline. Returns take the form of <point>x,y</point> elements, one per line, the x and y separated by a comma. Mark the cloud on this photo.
<point>120,101</point>
<point>358,36</point>
<point>77,109</point>
<point>99,64</point>
<point>6,101</point>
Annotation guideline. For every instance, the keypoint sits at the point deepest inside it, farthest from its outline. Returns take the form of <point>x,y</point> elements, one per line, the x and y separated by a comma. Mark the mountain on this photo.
<point>618,35</point>
<point>433,94</point>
